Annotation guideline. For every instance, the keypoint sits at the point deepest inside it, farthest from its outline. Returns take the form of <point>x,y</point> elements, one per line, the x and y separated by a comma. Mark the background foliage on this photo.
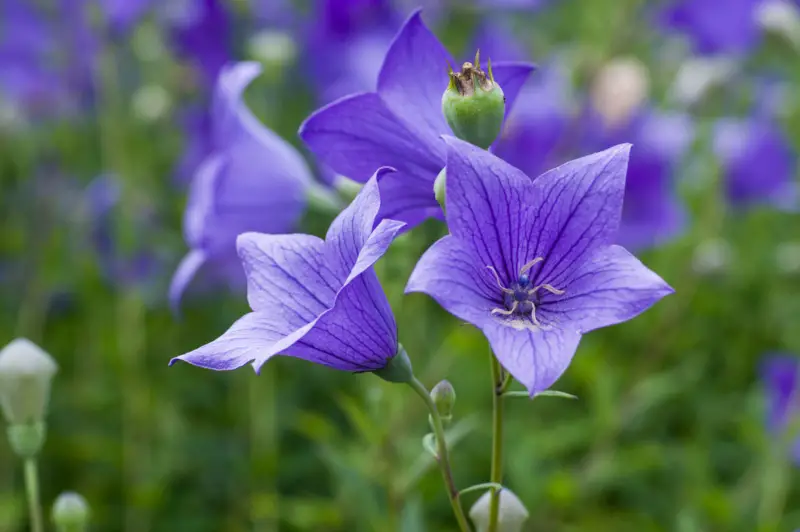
<point>667,434</point>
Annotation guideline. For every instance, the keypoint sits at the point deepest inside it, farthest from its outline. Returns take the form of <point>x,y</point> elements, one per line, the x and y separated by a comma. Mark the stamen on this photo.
<point>533,316</point>
<point>530,265</point>
<point>509,312</point>
<point>499,283</point>
<point>548,287</point>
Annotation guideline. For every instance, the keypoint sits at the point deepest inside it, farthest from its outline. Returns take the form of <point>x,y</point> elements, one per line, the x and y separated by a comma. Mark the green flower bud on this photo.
<point>70,512</point>
<point>398,369</point>
<point>512,515</point>
<point>444,396</point>
<point>474,104</point>
<point>438,187</point>
<point>25,375</point>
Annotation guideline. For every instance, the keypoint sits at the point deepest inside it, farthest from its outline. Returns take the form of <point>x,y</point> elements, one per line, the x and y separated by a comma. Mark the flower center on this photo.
<point>520,299</point>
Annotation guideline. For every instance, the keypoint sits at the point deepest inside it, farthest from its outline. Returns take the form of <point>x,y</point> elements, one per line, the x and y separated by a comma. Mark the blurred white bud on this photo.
<point>25,375</point>
<point>781,17</point>
<point>11,116</point>
<point>512,514</point>
<point>70,512</point>
<point>712,256</point>
<point>697,76</point>
<point>787,257</point>
<point>619,89</point>
<point>275,49</point>
<point>151,102</point>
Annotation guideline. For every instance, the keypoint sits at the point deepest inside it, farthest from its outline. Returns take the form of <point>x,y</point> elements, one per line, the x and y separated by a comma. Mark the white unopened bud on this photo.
<point>619,89</point>
<point>781,17</point>
<point>70,512</point>
<point>25,375</point>
<point>512,515</point>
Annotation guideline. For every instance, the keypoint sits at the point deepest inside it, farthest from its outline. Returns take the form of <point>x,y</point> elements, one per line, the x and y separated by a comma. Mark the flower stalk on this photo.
<point>32,489</point>
<point>442,455</point>
<point>499,383</point>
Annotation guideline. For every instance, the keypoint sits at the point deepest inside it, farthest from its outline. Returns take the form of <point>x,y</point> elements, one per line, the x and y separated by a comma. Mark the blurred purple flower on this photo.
<point>652,212</point>
<point>46,55</point>
<point>539,123</point>
<point>345,43</point>
<point>531,262</point>
<point>779,373</point>
<point>200,31</point>
<point>758,164</point>
<point>400,125</point>
<point>313,299</point>
<point>251,180</point>
<point>715,26</point>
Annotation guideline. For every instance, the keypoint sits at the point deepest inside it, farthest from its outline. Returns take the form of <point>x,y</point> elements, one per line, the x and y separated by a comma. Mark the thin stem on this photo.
<point>443,457</point>
<point>32,488</point>
<point>496,475</point>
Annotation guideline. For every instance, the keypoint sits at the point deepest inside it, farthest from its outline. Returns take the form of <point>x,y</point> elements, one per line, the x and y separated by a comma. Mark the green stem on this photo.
<point>32,488</point>
<point>442,453</point>
<point>496,475</point>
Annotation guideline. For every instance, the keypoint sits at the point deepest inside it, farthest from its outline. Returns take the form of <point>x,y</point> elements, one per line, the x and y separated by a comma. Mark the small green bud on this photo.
<point>512,515</point>
<point>27,439</point>
<point>70,512</point>
<point>474,104</point>
<point>398,369</point>
<point>444,396</point>
<point>25,375</point>
<point>438,187</point>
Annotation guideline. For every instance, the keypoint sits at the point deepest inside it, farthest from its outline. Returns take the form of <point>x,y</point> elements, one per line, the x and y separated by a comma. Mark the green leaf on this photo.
<point>546,393</point>
<point>429,444</point>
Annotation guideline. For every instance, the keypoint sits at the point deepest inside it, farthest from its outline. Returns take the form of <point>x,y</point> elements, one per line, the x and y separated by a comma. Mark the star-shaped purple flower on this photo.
<point>532,262</point>
<point>779,373</point>
<point>758,163</point>
<point>399,125</point>
<point>318,300</point>
<point>252,180</point>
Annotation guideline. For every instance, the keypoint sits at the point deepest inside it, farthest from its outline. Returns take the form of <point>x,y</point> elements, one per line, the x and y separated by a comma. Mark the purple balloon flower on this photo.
<point>715,26</point>
<point>652,213</point>
<point>532,262</point>
<point>251,180</point>
<point>757,162</point>
<point>400,125</point>
<point>313,299</point>
<point>779,373</point>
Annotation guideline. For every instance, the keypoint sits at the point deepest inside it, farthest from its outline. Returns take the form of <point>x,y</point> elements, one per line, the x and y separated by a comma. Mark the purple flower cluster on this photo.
<point>532,262</point>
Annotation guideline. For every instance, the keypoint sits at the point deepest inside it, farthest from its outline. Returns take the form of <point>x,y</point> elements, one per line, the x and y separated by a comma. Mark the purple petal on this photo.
<point>352,230</point>
<point>611,287</point>
<point>358,334</point>
<point>287,276</point>
<point>411,205</point>
<point>448,273</point>
<point>535,358</point>
<point>251,335</point>
<point>413,78</point>
<point>579,210</point>
<point>358,134</point>
<point>511,77</point>
<point>186,271</point>
<point>488,203</point>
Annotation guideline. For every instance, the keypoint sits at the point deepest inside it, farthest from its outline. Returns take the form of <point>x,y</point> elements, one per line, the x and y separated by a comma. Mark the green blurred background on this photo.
<point>667,433</point>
